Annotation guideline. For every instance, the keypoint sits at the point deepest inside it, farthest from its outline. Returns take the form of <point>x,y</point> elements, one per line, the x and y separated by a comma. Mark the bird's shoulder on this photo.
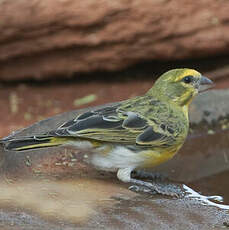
<point>155,110</point>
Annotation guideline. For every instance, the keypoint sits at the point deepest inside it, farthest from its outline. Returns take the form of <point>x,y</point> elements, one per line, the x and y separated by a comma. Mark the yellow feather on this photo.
<point>187,72</point>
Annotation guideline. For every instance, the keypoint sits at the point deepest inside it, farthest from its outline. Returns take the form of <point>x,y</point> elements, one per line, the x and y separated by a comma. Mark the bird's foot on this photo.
<point>142,189</point>
<point>167,189</point>
<point>149,175</point>
<point>153,187</point>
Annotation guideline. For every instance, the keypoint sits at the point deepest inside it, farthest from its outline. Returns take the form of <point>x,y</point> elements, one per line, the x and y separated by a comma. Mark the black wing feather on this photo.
<point>94,122</point>
<point>149,135</point>
<point>134,121</point>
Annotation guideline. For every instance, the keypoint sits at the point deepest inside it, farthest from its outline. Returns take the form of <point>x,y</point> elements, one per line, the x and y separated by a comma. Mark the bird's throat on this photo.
<point>185,111</point>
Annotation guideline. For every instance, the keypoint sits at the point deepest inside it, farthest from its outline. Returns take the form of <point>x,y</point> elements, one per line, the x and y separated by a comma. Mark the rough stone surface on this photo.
<point>210,106</point>
<point>42,38</point>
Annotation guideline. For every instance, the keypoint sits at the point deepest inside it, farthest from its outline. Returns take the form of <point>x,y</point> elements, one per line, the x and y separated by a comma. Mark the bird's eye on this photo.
<point>188,79</point>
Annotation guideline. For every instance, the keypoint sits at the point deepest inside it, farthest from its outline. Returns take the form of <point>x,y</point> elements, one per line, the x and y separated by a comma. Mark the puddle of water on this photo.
<point>205,200</point>
<point>215,184</point>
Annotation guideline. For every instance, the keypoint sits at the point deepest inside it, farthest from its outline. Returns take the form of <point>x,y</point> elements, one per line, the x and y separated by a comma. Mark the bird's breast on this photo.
<point>153,157</point>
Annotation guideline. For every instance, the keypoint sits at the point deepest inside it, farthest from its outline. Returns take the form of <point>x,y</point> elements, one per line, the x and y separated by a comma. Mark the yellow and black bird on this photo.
<point>130,135</point>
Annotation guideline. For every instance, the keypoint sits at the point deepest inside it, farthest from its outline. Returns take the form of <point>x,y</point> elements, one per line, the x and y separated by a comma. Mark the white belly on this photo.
<point>119,157</point>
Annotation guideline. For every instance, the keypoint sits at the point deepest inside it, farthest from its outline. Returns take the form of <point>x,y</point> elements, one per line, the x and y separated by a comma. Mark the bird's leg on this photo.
<point>149,187</point>
<point>167,189</point>
<point>149,175</point>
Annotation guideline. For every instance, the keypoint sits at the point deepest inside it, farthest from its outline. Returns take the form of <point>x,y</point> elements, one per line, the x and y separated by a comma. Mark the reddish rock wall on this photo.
<point>40,38</point>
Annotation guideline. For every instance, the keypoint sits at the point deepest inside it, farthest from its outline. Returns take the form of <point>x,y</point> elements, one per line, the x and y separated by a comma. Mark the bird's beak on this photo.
<point>205,84</point>
<point>205,81</point>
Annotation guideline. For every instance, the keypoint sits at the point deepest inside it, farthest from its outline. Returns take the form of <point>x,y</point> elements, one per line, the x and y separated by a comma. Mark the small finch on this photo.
<point>130,135</point>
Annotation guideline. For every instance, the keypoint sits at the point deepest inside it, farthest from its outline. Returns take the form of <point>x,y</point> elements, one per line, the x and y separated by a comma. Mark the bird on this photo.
<point>131,135</point>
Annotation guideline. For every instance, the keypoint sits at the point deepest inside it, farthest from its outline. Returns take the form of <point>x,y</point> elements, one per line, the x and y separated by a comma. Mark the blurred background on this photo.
<point>62,55</point>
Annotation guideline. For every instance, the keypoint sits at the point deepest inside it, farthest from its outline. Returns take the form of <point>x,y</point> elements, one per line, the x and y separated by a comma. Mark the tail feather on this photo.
<point>34,142</point>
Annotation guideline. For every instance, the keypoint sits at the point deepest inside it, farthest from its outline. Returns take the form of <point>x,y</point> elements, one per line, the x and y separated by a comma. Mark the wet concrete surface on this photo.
<point>52,189</point>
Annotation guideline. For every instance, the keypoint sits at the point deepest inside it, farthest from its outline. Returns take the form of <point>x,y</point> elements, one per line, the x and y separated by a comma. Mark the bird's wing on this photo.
<point>152,138</point>
<point>110,124</point>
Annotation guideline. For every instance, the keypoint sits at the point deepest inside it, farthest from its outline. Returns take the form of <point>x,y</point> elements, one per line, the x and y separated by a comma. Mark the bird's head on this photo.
<point>180,85</point>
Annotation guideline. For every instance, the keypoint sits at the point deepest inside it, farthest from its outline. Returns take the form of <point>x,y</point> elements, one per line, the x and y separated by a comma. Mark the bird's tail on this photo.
<point>34,142</point>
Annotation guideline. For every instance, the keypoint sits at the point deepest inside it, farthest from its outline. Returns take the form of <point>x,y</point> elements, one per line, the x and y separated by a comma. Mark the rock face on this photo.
<point>40,38</point>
